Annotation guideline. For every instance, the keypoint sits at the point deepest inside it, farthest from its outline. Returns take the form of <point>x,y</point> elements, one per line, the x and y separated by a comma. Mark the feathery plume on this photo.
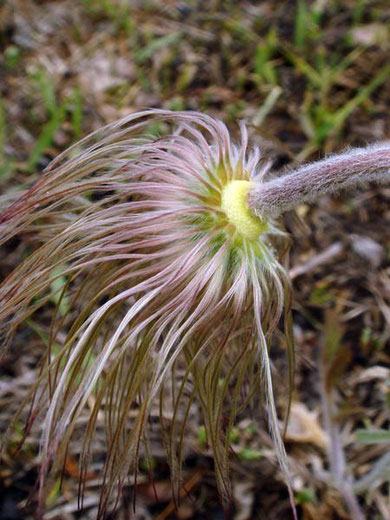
<point>165,265</point>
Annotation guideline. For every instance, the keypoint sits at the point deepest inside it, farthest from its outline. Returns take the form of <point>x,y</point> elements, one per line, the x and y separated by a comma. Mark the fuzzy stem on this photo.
<point>331,175</point>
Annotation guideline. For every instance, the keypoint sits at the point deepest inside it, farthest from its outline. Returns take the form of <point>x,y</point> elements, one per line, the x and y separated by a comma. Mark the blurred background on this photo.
<point>308,78</point>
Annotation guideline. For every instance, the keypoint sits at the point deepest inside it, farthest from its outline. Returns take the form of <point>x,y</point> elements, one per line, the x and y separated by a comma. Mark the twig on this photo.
<point>336,456</point>
<point>379,472</point>
<point>326,256</point>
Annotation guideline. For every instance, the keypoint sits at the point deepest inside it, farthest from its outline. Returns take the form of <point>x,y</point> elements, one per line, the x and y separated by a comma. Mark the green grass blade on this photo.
<point>46,137</point>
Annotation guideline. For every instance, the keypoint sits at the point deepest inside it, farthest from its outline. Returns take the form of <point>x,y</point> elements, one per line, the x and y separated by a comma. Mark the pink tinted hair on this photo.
<point>155,282</point>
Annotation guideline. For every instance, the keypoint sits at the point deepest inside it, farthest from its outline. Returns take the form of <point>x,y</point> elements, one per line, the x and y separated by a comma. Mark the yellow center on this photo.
<point>234,204</point>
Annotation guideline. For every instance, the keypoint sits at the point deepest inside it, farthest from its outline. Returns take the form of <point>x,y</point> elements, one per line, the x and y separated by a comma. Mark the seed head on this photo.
<point>170,279</point>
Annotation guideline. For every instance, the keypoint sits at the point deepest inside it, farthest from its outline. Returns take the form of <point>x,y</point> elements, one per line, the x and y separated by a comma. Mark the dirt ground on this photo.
<point>309,78</point>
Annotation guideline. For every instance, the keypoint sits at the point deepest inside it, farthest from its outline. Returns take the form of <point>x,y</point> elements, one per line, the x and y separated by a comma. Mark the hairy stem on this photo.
<point>331,175</point>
